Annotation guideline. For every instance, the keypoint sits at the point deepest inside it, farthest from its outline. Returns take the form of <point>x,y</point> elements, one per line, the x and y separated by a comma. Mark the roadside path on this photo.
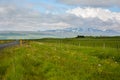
<point>9,44</point>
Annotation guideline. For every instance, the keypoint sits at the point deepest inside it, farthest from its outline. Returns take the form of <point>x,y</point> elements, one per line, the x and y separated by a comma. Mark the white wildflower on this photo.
<point>99,65</point>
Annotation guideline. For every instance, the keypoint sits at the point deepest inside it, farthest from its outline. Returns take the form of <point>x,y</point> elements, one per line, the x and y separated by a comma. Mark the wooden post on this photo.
<point>21,42</point>
<point>104,45</point>
<point>79,44</point>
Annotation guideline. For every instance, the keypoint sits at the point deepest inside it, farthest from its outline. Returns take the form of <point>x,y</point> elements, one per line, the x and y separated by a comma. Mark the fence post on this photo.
<point>104,45</point>
<point>21,42</point>
<point>79,44</point>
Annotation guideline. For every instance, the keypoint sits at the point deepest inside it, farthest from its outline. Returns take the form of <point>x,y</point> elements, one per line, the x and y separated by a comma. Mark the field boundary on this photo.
<point>9,44</point>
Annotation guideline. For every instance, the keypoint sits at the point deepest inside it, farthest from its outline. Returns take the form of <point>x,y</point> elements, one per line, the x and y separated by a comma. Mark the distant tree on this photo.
<point>80,36</point>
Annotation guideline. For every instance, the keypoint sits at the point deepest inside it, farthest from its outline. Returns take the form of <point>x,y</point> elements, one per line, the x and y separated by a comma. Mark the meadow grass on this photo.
<point>62,59</point>
<point>5,41</point>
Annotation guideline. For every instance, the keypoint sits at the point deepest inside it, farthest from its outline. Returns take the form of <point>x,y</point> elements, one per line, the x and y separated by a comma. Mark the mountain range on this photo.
<point>69,32</point>
<point>58,33</point>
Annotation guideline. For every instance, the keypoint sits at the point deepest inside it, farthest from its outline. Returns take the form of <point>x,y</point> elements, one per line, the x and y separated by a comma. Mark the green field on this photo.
<point>5,41</point>
<point>62,59</point>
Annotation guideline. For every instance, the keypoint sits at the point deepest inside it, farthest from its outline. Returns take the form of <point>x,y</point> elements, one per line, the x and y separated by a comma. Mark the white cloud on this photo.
<point>62,24</point>
<point>2,10</point>
<point>22,19</point>
<point>102,14</point>
<point>19,19</point>
<point>93,3</point>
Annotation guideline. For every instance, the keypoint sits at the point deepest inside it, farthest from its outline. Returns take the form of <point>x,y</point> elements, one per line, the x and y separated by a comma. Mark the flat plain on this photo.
<point>62,59</point>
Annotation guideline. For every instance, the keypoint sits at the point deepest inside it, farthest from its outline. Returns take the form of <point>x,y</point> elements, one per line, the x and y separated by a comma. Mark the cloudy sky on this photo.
<point>36,15</point>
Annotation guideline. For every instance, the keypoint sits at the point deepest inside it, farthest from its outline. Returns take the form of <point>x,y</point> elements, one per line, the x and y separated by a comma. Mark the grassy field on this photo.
<point>5,41</point>
<point>62,59</point>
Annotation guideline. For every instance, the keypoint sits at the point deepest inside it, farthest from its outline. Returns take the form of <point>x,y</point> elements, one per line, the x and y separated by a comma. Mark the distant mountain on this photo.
<point>24,35</point>
<point>58,33</point>
<point>67,32</point>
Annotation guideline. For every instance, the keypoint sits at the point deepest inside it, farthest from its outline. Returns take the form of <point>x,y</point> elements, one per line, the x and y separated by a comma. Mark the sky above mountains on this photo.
<point>36,15</point>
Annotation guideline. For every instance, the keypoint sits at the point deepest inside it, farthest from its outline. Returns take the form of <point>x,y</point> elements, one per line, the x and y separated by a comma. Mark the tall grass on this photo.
<point>5,41</point>
<point>61,59</point>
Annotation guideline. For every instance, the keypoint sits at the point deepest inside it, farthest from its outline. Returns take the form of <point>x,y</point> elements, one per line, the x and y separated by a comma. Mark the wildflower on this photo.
<point>55,49</point>
<point>58,57</point>
<point>113,57</point>
<point>99,65</point>
<point>116,62</point>
<point>28,54</point>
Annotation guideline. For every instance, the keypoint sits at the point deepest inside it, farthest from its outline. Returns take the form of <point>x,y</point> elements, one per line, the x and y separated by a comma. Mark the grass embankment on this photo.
<point>5,41</point>
<point>60,60</point>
